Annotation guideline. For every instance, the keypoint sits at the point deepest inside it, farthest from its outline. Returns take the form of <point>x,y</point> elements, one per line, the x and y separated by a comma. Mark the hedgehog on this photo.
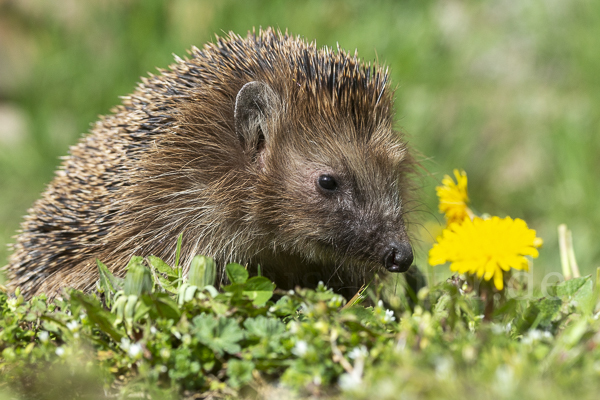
<point>262,150</point>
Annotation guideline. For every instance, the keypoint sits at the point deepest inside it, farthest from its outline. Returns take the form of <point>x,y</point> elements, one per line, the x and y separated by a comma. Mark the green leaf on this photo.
<point>161,306</point>
<point>539,313</point>
<point>129,311</point>
<point>138,279</point>
<point>548,310</point>
<point>264,327</point>
<point>259,289</point>
<point>203,272</point>
<point>166,284</point>
<point>108,282</point>
<point>178,251</point>
<point>259,283</point>
<point>103,319</point>
<point>569,288</point>
<point>188,293</point>
<point>211,290</point>
<point>285,306</point>
<point>259,299</point>
<point>220,334</point>
<point>578,290</point>
<point>236,273</point>
<point>239,372</point>
<point>162,266</point>
<point>357,313</point>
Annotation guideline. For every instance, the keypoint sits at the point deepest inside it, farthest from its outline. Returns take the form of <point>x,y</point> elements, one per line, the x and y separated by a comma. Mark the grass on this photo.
<point>166,338</point>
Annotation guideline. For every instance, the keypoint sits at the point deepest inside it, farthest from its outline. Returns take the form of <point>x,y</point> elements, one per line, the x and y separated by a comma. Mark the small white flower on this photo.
<point>547,335</point>
<point>350,381</point>
<point>186,339</point>
<point>353,379</point>
<point>153,330</point>
<point>73,326</point>
<point>535,334</point>
<point>336,301</point>
<point>59,351</point>
<point>358,352</point>
<point>317,380</point>
<point>300,348</point>
<point>44,336</point>
<point>165,353</point>
<point>125,343</point>
<point>175,333</point>
<point>135,350</point>
<point>388,317</point>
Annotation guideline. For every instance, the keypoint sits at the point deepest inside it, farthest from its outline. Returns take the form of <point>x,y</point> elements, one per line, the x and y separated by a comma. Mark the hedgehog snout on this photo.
<point>398,256</point>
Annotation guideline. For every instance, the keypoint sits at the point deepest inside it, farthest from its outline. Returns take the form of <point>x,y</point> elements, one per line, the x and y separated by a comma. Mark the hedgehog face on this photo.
<point>348,201</point>
<point>334,192</point>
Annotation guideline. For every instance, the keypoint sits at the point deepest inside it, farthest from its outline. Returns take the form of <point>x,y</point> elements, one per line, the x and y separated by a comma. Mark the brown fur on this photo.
<point>169,161</point>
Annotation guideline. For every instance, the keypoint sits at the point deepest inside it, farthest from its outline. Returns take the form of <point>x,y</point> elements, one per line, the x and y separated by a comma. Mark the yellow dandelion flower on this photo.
<point>454,197</point>
<point>486,247</point>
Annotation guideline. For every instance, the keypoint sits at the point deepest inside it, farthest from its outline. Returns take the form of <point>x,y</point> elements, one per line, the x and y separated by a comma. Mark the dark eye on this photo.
<point>327,182</point>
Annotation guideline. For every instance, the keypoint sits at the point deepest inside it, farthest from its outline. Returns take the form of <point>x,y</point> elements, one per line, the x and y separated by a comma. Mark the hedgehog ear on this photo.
<point>254,104</point>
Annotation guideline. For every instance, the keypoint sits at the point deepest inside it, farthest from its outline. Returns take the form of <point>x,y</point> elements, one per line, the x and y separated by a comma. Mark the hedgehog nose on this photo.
<point>398,257</point>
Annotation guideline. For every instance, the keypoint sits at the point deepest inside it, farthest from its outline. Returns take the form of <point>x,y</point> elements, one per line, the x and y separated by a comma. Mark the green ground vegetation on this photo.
<point>156,335</point>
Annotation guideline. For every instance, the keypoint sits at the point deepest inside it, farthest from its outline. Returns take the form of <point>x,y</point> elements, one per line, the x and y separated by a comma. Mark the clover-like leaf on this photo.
<point>236,273</point>
<point>239,372</point>
<point>263,327</point>
<point>259,289</point>
<point>221,335</point>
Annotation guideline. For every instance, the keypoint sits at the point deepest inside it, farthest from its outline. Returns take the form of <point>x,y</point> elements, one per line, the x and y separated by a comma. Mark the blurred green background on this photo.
<point>507,90</point>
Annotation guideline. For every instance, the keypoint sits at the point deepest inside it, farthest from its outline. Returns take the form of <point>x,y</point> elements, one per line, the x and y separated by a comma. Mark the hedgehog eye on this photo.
<point>327,183</point>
